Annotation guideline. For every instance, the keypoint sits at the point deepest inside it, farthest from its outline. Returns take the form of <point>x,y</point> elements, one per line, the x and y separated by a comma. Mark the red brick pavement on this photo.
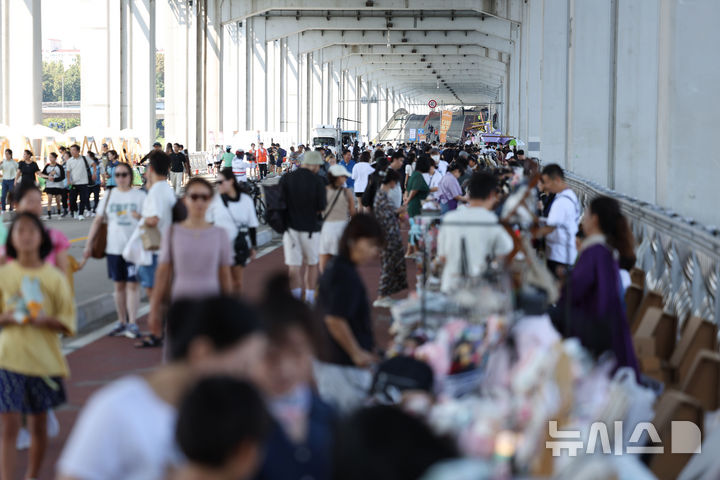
<point>103,361</point>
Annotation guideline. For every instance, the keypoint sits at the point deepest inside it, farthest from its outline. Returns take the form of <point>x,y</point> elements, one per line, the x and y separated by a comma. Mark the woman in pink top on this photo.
<point>195,258</point>
<point>29,199</point>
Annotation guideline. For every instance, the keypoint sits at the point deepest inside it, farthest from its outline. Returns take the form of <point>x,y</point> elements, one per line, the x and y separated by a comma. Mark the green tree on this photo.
<point>72,81</point>
<point>54,75</point>
<point>160,75</point>
<point>52,71</point>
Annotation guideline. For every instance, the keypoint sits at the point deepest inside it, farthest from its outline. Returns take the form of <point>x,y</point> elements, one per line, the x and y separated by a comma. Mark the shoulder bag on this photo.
<point>240,244</point>
<point>340,191</point>
<point>99,241</point>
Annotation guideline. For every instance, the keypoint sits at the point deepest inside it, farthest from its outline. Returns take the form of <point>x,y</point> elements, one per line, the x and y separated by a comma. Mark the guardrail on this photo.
<point>198,161</point>
<point>680,257</point>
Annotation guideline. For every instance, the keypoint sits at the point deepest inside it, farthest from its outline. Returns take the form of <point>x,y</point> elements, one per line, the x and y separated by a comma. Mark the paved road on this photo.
<point>92,280</point>
<point>96,359</point>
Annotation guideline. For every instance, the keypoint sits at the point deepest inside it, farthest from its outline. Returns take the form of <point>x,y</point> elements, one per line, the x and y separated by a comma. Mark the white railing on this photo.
<point>680,257</point>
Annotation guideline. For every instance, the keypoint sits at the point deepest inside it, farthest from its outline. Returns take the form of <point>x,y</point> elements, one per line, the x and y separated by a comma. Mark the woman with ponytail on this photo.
<point>592,307</point>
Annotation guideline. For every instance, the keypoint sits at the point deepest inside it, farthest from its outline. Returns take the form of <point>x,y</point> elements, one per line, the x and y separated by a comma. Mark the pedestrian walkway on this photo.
<point>102,361</point>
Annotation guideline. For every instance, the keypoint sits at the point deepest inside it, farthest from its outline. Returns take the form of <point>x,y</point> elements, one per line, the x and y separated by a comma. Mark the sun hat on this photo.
<point>339,171</point>
<point>312,158</point>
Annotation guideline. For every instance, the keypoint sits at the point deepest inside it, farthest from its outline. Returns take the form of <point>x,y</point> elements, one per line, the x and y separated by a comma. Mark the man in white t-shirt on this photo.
<point>476,231</point>
<point>240,166</point>
<point>562,221</point>
<point>126,430</point>
<point>157,212</point>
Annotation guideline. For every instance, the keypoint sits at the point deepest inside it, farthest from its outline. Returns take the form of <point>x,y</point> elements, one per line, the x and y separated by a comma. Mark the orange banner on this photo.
<point>445,122</point>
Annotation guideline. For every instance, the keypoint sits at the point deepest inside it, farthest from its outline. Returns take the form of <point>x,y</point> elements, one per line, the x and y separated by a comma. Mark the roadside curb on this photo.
<point>101,309</point>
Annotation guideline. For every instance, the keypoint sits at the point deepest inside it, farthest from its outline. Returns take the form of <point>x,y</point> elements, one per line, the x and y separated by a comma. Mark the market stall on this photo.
<point>507,386</point>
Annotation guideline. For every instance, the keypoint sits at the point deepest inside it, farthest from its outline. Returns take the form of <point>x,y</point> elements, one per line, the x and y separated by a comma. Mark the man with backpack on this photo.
<point>79,179</point>
<point>303,192</point>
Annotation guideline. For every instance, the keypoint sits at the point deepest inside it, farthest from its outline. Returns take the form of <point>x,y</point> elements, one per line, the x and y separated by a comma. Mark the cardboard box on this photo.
<point>644,346</point>
<point>650,365</point>
<point>651,299</point>
<point>697,335</point>
<point>703,380</point>
<point>662,327</point>
<point>637,277</point>
<point>673,406</point>
<point>633,298</point>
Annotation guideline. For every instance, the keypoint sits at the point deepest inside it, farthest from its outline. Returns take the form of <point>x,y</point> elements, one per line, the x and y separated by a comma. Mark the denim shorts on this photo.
<point>29,394</point>
<point>146,273</point>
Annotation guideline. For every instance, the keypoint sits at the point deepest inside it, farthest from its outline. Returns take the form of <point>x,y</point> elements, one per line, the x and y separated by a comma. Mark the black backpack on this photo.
<point>275,208</point>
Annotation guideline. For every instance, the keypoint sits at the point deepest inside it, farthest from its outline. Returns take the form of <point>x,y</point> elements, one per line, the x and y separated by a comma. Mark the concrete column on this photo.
<point>292,74</point>
<point>554,82</point>
<point>687,110</point>
<point>257,87</point>
<point>273,86</point>
<point>636,106</point>
<point>307,97</point>
<point>512,122</point>
<point>335,94</point>
<point>233,108</point>
<point>316,78</point>
<point>363,109</point>
<point>181,79</point>
<point>101,91</point>
<point>372,110</point>
<point>533,39</point>
<point>590,105</point>
<point>327,87</point>
<point>21,57</point>
<point>141,95</point>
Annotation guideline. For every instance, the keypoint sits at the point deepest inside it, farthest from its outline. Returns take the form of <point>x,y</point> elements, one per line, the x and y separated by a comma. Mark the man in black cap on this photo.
<point>157,147</point>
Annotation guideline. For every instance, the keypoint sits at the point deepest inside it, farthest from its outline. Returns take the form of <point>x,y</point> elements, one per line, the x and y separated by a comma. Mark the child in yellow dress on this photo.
<point>35,305</point>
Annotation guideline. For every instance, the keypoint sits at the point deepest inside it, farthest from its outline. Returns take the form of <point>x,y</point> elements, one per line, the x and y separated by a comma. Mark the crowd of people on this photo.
<point>295,385</point>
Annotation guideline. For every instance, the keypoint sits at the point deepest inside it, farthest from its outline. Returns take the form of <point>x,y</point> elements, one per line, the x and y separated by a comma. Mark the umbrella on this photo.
<point>79,131</point>
<point>38,131</point>
<point>128,133</point>
<point>8,132</point>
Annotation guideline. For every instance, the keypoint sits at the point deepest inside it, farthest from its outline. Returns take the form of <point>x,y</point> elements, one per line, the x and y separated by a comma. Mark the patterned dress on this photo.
<point>394,275</point>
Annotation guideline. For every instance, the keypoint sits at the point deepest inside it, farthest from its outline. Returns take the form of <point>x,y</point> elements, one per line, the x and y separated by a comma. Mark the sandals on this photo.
<point>151,341</point>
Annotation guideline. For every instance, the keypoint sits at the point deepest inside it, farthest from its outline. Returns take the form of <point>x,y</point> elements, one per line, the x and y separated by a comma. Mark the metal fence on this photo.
<point>680,257</point>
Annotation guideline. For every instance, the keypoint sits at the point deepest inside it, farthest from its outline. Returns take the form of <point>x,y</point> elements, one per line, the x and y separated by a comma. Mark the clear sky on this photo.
<point>63,20</point>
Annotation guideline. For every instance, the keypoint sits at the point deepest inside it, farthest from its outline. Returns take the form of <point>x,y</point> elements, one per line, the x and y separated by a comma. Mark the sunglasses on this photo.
<point>199,196</point>
<point>121,174</point>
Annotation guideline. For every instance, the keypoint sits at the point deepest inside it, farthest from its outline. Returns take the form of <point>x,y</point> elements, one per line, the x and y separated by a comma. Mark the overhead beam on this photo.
<point>435,61</point>
<point>429,49</point>
<point>315,40</point>
<point>280,27</point>
<point>239,10</point>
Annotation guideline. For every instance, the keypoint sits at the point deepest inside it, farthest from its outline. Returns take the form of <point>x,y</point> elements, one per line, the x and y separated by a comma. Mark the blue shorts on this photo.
<point>146,273</point>
<point>119,270</point>
<point>29,394</point>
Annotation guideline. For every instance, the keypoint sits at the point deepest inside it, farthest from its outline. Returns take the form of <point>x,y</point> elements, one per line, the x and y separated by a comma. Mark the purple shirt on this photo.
<point>197,256</point>
<point>448,189</point>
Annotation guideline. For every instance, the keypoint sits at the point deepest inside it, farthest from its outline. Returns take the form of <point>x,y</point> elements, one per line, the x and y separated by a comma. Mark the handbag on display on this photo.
<point>99,241</point>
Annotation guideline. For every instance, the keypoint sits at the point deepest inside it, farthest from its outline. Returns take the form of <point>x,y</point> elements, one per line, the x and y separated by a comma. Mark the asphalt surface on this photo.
<point>95,359</point>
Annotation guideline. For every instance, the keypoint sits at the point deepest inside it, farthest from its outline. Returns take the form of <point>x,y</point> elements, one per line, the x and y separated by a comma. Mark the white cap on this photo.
<point>339,171</point>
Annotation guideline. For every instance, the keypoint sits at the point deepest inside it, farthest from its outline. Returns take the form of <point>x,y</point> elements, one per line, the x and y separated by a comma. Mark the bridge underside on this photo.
<point>621,92</point>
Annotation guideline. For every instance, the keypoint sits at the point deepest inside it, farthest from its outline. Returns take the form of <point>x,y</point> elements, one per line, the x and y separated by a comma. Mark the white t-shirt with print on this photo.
<point>125,432</point>
<point>564,215</point>
<point>121,223</point>
<point>159,203</point>
<point>481,240</point>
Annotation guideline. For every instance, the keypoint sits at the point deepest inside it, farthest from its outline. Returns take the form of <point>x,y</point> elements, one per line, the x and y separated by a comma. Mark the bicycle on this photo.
<point>255,192</point>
